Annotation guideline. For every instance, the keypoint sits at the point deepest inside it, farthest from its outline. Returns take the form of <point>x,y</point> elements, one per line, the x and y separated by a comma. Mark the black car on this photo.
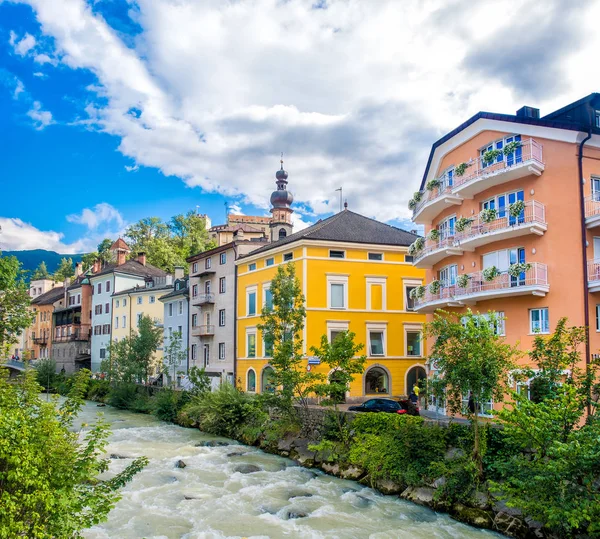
<point>386,405</point>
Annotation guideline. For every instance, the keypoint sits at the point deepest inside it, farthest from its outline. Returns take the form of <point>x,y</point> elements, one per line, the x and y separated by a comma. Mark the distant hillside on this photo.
<point>31,259</point>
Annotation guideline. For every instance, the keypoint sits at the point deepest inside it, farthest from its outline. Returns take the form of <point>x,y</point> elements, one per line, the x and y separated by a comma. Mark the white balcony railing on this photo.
<point>533,281</point>
<point>529,157</point>
<point>592,210</point>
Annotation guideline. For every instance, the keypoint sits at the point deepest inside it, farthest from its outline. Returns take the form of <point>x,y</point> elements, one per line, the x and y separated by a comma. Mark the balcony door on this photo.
<point>446,228</point>
<point>517,256</point>
<point>503,259</point>
<point>206,355</point>
<point>512,198</point>
<point>596,189</point>
<point>515,157</point>
<point>448,275</point>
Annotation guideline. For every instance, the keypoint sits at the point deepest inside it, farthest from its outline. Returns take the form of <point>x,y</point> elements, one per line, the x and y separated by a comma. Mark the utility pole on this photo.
<point>341,196</point>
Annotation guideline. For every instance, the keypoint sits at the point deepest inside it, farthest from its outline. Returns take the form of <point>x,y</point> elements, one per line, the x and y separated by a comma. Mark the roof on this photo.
<point>142,289</point>
<point>235,228</point>
<point>184,291</point>
<point>347,226</point>
<point>47,298</point>
<point>210,252</point>
<point>132,267</point>
<point>120,244</point>
<point>570,106</point>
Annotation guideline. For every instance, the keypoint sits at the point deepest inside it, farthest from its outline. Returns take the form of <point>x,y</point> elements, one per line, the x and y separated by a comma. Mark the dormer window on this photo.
<point>597,119</point>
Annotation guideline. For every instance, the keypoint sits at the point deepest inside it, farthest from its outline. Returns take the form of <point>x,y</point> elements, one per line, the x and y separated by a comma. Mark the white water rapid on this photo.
<point>209,499</point>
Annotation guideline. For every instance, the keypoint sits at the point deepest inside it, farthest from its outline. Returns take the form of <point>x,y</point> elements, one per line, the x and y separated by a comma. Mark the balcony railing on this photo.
<point>77,336</point>
<point>592,210</point>
<point>593,270</point>
<point>532,220</point>
<point>42,341</point>
<point>453,188</point>
<point>534,281</point>
<point>203,331</point>
<point>202,299</point>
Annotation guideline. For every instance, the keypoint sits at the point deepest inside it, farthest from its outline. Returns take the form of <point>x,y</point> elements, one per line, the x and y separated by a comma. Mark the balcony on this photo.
<point>203,331</point>
<point>434,251</point>
<point>41,341</point>
<point>594,275</point>
<point>592,210</point>
<point>478,177</point>
<point>77,336</point>
<point>203,299</point>
<point>533,282</point>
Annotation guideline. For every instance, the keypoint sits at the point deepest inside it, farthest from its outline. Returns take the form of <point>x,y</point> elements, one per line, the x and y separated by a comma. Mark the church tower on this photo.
<point>281,200</point>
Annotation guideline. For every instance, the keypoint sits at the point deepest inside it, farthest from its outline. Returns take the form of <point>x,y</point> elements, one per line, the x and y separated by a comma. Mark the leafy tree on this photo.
<point>199,380</point>
<point>145,344</point>
<point>282,326</point>
<point>65,270</point>
<point>473,360</point>
<point>120,364</point>
<point>14,302</point>
<point>88,259</point>
<point>189,234</point>
<point>46,373</point>
<point>174,355</point>
<point>49,479</point>
<point>41,272</point>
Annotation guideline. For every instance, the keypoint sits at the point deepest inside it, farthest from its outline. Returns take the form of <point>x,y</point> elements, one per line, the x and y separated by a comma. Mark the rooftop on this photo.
<point>47,298</point>
<point>132,267</point>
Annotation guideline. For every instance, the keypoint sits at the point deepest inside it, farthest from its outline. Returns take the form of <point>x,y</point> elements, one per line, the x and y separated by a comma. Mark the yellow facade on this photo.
<point>358,293</point>
<point>128,307</point>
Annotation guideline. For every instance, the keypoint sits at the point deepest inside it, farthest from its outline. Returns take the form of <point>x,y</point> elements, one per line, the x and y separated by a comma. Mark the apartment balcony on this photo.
<point>41,341</point>
<point>593,270</point>
<point>532,282</point>
<point>592,210</point>
<point>436,250</point>
<point>478,177</point>
<point>77,336</point>
<point>203,299</point>
<point>203,331</point>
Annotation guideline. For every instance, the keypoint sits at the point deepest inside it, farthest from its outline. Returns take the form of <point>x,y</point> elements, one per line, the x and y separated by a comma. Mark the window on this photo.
<point>207,287</point>
<point>597,118</point>
<point>97,330</point>
<point>597,317</point>
<point>511,159</point>
<point>78,298</point>
<point>116,322</point>
<point>195,291</point>
<point>410,302</point>
<point>446,227</point>
<point>267,382</point>
<point>124,302</point>
<point>194,352</point>
<point>222,285</point>
<point>268,345</point>
<point>195,267</point>
<point>409,258</point>
<point>337,292</point>
<point>288,256</point>
<point>208,263</point>
<point>139,300</point>
<point>170,309</point>
<point>337,254</point>
<point>181,307</point>
<point>334,334</point>
<point>267,297</point>
<point>152,299</point>
<point>194,320</point>
<point>376,381</point>
<point>251,384</point>
<point>221,350</point>
<point>269,262</point>
<point>180,330</point>
<point>375,256</point>
<point>98,309</point>
<point>376,343</point>
<point>106,329</point>
<point>117,302</point>
<point>251,345</point>
<point>139,318</point>
<point>221,317</point>
<point>108,286</point>
<point>251,302</point>
<point>123,321</point>
<point>252,267</point>
<point>99,288</point>
<point>539,322</point>
<point>282,233</point>
<point>413,343</point>
<point>223,258</point>
<point>448,275</point>
<point>102,353</point>
<point>170,331</point>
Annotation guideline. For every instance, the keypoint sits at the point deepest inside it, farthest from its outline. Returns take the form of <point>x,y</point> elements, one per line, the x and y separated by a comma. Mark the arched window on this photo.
<point>251,385</point>
<point>413,376</point>
<point>282,233</point>
<point>376,381</point>
<point>267,384</point>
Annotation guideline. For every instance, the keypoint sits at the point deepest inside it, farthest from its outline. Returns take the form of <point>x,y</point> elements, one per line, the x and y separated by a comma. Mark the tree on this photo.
<point>145,344</point>
<point>473,360</point>
<point>104,252</point>
<point>49,479</point>
<point>199,380</point>
<point>174,355</point>
<point>282,325</point>
<point>88,259</point>
<point>189,234</point>
<point>46,373</point>
<point>14,302</point>
<point>65,270</point>
<point>41,272</point>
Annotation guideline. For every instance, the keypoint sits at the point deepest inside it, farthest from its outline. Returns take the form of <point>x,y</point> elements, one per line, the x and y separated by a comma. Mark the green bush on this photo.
<point>167,403</point>
<point>46,373</point>
<point>123,395</point>
<point>461,478</point>
<point>142,403</point>
<point>98,390</point>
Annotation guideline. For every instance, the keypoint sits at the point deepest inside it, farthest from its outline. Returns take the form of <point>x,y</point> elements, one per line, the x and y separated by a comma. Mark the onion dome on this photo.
<point>281,198</point>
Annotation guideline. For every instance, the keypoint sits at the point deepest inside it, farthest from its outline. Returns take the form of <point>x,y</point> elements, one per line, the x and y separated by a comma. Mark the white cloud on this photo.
<point>17,235</point>
<point>39,74</point>
<point>24,45</point>
<point>41,118</point>
<point>19,89</point>
<point>354,94</point>
<point>45,59</point>
<point>235,209</point>
<point>101,214</point>
<point>133,168</point>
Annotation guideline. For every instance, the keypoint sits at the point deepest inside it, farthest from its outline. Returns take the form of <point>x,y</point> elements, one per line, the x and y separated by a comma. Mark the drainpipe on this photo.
<point>586,302</point>
<point>235,292</point>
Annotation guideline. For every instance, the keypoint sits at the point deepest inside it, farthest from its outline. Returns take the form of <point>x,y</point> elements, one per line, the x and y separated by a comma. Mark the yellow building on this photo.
<point>128,306</point>
<point>355,275</point>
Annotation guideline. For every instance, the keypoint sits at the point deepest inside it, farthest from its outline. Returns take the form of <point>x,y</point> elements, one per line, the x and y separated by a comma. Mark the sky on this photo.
<point>115,110</point>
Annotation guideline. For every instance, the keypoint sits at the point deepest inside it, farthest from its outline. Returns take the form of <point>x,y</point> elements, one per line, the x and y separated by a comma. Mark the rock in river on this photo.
<point>246,468</point>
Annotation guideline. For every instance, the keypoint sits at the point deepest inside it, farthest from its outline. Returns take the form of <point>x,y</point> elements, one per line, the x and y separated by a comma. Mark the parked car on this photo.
<point>386,405</point>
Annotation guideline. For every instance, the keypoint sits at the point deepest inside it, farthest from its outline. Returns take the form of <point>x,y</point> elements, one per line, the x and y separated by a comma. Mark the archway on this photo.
<point>267,382</point>
<point>251,381</point>
<point>413,376</point>
<point>377,381</point>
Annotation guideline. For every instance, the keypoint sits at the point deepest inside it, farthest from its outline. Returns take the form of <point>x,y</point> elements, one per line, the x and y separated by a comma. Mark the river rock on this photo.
<point>102,405</point>
<point>301,454</point>
<point>362,501</point>
<point>180,464</point>
<point>212,443</point>
<point>292,513</point>
<point>439,482</point>
<point>235,454</point>
<point>418,495</point>
<point>246,468</point>
<point>385,486</point>
<point>299,494</point>
<point>116,456</point>
<point>333,469</point>
<point>352,473</point>
<point>473,515</point>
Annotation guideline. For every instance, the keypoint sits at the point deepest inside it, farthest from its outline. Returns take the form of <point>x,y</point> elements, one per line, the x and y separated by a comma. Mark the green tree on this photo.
<point>46,373</point>
<point>49,479</point>
<point>199,380</point>
<point>174,355</point>
<point>104,252</point>
<point>473,360</point>
<point>41,272</point>
<point>145,344</point>
<point>282,325</point>
<point>65,270</point>
<point>88,259</point>
<point>189,235</point>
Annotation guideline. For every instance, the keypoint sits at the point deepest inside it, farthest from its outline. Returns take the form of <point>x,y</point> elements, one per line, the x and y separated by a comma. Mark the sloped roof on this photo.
<point>138,288</point>
<point>347,226</point>
<point>132,267</point>
<point>47,298</point>
<point>120,244</point>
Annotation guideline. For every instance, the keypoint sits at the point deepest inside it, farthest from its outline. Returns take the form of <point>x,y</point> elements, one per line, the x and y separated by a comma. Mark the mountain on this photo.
<point>31,259</point>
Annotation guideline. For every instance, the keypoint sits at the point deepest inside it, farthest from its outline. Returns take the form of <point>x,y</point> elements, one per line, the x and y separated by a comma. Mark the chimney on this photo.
<point>97,266</point>
<point>121,257</point>
<point>178,272</point>
<point>169,279</point>
<point>77,269</point>
<point>528,112</point>
<point>142,258</point>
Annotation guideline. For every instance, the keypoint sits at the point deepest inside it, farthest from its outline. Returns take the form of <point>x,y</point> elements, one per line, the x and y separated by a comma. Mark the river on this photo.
<point>209,499</point>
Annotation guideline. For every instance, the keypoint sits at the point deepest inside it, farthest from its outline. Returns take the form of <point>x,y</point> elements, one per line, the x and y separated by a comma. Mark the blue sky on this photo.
<point>114,110</point>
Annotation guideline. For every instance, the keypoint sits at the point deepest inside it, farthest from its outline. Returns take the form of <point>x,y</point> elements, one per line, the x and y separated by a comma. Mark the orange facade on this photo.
<point>40,332</point>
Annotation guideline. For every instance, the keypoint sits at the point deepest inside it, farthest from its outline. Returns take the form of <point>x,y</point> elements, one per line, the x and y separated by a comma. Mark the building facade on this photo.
<point>39,335</point>
<point>355,275</point>
<point>511,211</point>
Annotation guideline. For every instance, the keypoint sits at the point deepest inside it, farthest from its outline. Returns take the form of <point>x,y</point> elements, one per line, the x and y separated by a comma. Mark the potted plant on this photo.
<point>488,215</point>
<point>418,196</point>
<point>416,246</point>
<point>516,208</point>
<point>434,286</point>
<point>489,274</point>
<point>433,184</point>
<point>463,280</point>
<point>412,204</point>
<point>418,292</point>
<point>462,224</point>
<point>434,234</point>
<point>512,146</point>
<point>490,156</point>
<point>514,270</point>
<point>459,170</point>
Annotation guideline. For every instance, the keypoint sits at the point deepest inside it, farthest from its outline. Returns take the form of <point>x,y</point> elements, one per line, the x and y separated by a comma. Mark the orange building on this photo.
<point>39,334</point>
<point>511,209</point>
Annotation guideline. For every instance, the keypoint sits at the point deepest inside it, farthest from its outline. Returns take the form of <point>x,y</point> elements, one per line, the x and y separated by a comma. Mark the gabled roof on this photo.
<point>48,298</point>
<point>143,289</point>
<point>183,291</point>
<point>347,226</point>
<point>120,244</point>
<point>132,267</point>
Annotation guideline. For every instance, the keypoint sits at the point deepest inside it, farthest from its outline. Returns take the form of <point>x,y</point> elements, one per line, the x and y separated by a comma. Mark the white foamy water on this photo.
<point>209,499</point>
